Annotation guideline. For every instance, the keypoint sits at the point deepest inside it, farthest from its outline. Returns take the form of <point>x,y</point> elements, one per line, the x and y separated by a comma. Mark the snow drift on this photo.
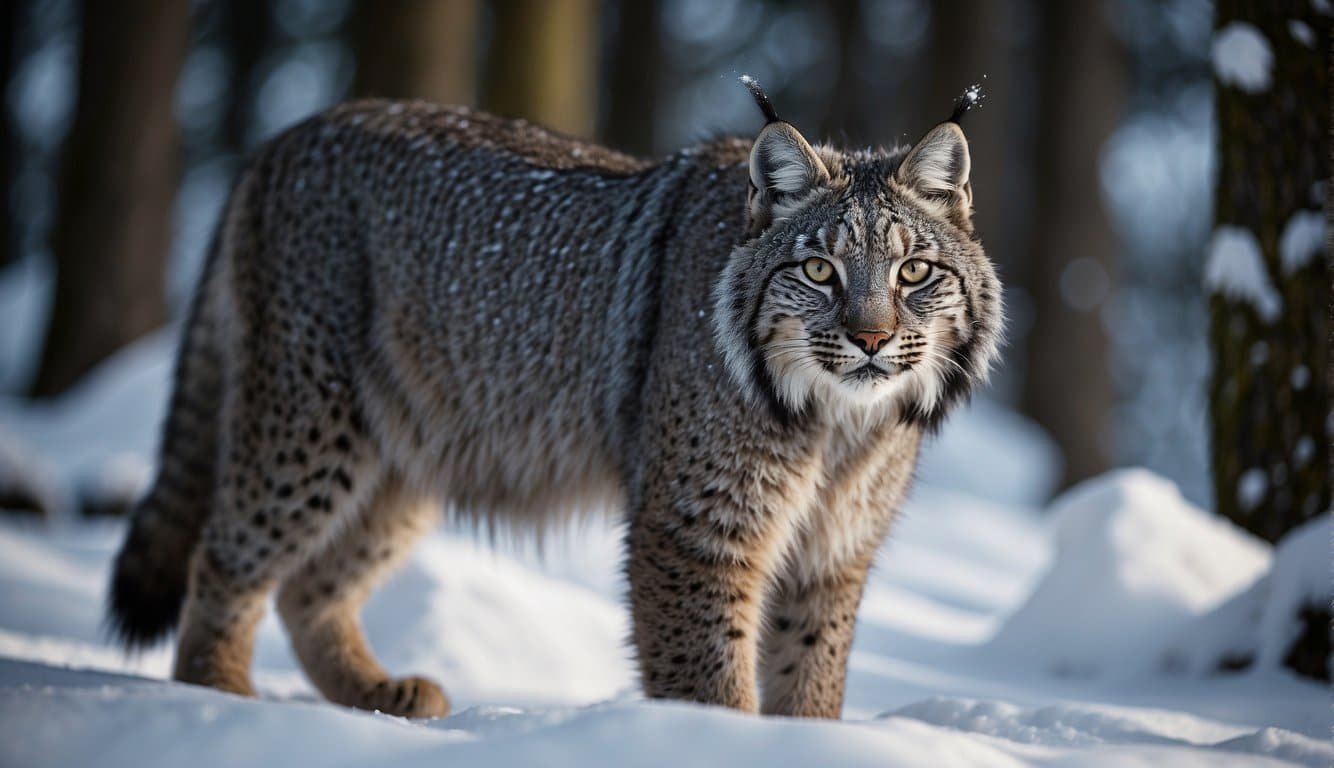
<point>1134,563</point>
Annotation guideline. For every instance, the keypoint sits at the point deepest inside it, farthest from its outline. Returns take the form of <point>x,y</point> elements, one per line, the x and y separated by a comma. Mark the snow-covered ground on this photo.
<point>992,632</point>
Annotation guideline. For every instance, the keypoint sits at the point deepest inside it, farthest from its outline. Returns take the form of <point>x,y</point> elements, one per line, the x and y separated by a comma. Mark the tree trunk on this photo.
<point>251,31</point>
<point>9,25</point>
<point>417,49</point>
<point>845,121</point>
<point>632,74</point>
<point>542,63</point>
<point>118,179</point>
<point>1067,385</point>
<point>1270,393</point>
<point>970,43</point>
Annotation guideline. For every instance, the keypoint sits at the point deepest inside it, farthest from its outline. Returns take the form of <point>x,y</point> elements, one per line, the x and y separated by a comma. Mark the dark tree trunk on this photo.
<point>632,71</point>
<point>970,44</point>
<point>250,32</point>
<point>845,120</point>
<point>542,63</point>
<point>417,49</point>
<point>1067,386</point>
<point>118,178</point>
<point>1270,393</point>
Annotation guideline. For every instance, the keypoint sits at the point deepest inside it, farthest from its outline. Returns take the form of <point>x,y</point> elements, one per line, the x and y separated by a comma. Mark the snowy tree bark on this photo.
<point>117,184</point>
<point>1267,272</point>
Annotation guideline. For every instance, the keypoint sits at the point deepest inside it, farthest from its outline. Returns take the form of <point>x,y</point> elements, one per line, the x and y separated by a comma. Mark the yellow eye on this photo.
<point>914,271</point>
<point>818,270</point>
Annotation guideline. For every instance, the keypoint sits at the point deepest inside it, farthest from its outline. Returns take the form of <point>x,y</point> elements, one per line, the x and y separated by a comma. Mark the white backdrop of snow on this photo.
<point>1242,57</point>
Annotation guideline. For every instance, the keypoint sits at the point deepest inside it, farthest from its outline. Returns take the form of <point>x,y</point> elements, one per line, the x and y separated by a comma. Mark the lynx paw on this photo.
<point>415,697</point>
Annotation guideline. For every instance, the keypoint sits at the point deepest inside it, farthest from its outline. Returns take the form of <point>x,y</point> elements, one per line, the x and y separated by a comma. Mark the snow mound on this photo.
<point>104,432</point>
<point>1133,562</point>
<point>1258,626</point>
<point>470,617</point>
<point>1084,726</point>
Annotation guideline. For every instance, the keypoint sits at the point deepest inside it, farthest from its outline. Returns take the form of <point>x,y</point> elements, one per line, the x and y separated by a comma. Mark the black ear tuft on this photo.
<point>761,98</point>
<point>971,97</point>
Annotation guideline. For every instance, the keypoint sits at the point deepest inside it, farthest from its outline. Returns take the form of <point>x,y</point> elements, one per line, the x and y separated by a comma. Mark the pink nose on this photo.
<point>870,342</point>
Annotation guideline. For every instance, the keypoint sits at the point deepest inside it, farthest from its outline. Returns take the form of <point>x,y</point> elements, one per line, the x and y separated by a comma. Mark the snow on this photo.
<point>1257,626</point>
<point>1301,32</point>
<point>992,633</point>
<point>1242,57</point>
<point>992,452</point>
<point>1302,240</point>
<point>1300,578</point>
<point>1235,269</point>
<point>1134,562</point>
<point>25,295</point>
<point>1252,487</point>
<point>115,411</point>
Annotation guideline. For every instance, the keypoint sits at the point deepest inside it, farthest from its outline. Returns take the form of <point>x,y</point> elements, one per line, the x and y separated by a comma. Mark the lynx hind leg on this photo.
<point>321,603</point>
<point>290,472</point>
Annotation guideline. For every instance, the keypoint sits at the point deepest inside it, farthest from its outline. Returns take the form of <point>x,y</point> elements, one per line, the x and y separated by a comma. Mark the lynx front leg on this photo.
<point>696,618</point>
<point>809,636</point>
<point>697,583</point>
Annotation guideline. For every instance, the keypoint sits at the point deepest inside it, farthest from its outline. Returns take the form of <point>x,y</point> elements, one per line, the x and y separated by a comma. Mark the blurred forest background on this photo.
<point>1095,159</point>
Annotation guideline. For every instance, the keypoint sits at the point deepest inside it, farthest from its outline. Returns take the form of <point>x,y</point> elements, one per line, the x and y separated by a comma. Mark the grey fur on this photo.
<point>411,306</point>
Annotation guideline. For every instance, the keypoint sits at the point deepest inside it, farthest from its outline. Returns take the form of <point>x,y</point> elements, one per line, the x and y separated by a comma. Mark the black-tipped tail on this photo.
<point>148,582</point>
<point>761,98</point>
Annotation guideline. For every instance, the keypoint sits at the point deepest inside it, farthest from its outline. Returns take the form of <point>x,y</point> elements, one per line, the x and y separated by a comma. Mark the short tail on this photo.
<point>148,583</point>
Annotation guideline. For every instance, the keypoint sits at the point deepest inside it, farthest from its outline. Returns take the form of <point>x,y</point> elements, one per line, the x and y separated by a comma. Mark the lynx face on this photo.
<point>863,286</point>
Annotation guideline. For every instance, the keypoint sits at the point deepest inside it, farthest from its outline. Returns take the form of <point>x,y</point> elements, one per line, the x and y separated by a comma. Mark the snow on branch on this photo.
<point>1234,268</point>
<point>1242,57</point>
<point>1302,240</point>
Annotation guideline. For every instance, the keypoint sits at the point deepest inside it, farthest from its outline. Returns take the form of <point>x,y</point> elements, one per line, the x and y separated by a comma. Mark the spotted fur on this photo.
<point>410,307</point>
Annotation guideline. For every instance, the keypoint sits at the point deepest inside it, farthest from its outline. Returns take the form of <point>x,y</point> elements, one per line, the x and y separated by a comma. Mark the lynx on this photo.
<point>408,308</point>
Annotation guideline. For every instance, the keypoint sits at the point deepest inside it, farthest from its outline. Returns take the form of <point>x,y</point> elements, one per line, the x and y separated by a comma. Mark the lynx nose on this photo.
<point>869,342</point>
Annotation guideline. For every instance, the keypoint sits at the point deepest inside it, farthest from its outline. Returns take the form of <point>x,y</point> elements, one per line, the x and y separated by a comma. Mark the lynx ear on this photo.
<point>937,169</point>
<point>783,169</point>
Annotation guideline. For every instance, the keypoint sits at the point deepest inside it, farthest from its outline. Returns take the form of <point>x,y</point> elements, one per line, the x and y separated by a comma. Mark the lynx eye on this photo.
<point>914,271</point>
<point>818,270</point>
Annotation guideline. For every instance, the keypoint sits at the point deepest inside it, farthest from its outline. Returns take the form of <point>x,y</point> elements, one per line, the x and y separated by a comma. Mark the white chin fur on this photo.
<point>799,385</point>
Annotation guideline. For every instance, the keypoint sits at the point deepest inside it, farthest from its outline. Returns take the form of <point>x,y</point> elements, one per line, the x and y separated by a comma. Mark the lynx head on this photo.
<point>861,286</point>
